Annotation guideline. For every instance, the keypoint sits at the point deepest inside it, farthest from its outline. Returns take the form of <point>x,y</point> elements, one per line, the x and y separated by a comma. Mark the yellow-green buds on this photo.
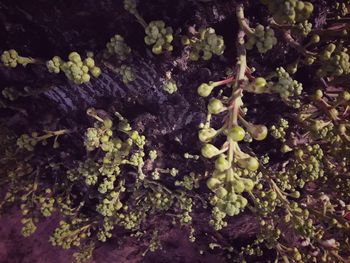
<point>299,153</point>
<point>318,125</point>
<point>206,134</point>
<point>296,255</point>
<point>127,73</point>
<point>248,184</point>
<point>293,67</point>
<point>220,175</point>
<point>170,86</point>
<point>95,72</point>
<point>221,192</point>
<point>160,36</point>
<point>54,64</point>
<point>309,60</point>
<point>117,46</point>
<point>10,58</point>
<point>221,163</point>
<point>238,186</point>
<point>204,44</point>
<point>345,96</point>
<point>285,148</point>
<point>236,134</point>
<point>75,69</point>
<point>295,194</point>
<point>205,89</point>
<point>258,132</point>
<point>260,82</point>
<point>213,183</point>
<point>258,86</point>
<point>315,39</point>
<point>318,94</point>
<point>342,129</point>
<point>249,163</point>
<point>215,106</point>
<point>209,151</point>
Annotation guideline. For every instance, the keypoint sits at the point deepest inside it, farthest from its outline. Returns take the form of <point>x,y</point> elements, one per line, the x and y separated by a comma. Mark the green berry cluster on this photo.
<point>263,39</point>
<point>325,131</point>
<point>185,204</point>
<point>289,11</point>
<point>160,36</point>
<point>217,218</point>
<point>204,44</point>
<point>190,181</point>
<point>88,169</point>
<point>75,68</point>
<point>99,136</point>
<point>84,255</point>
<point>130,220</point>
<point>228,187</point>
<point>110,204</point>
<point>29,141</point>
<point>10,58</point>
<point>155,243</point>
<point>341,8</point>
<point>300,199</point>
<point>278,131</point>
<point>127,73</point>
<point>29,227</point>
<point>309,163</point>
<point>130,6</point>
<point>269,234</point>
<point>46,204</point>
<point>170,86</point>
<point>54,64</point>
<point>106,231</point>
<point>289,89</point>
<point>153,155</point>
<point>253,249</point>
<point>66,207</point>
<point>25,141</point>
<point>307,166</point>
<point>334,61</point>
<point>266,202</point>
<point>117,46</point>
<point>68,235</point>
<point>160,200</point>
<point>303,28</point>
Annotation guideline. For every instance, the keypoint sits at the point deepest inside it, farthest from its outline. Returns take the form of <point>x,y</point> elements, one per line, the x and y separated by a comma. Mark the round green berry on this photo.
<point>209,151</point>
<point>215,106</point>
<point>236,134</point>
<point>205,89</point>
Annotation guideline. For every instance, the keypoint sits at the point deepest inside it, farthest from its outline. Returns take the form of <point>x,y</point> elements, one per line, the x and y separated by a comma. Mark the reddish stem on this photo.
<point>225,81</point>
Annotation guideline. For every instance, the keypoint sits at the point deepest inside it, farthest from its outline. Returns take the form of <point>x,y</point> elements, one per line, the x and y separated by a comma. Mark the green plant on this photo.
<point>75,68</point>
<point>290,11</point>
<point>170,86</point>
<point>10,58</point>
<point>263,39</point>
<point>118,155</point>
<point>159,36</point>
<point>157,33</point>
<point>289,182</point>
<point>205,43</point>
<point>117,46</point>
